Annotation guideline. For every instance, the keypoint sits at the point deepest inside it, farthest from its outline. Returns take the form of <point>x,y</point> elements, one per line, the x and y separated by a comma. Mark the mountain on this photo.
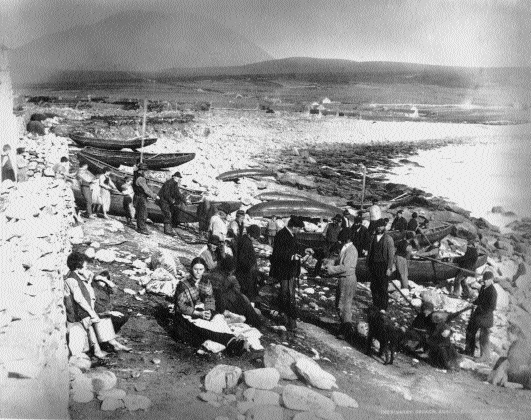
<point>136,41</point>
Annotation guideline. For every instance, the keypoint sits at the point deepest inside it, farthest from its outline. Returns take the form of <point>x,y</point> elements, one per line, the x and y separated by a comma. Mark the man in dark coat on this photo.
<point>170,199</point>
<point>482,318</point>
<point>399,223</point>
<point>331,234</point>
<point>380,263</point>
<point>466,262</point>
<point>285,267</point>
<point>413,224</point>
<point>142,192</point>
<point>360,237</point>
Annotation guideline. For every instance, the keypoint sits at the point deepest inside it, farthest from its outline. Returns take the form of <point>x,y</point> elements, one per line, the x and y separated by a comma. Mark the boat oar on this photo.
<point>464,270</point>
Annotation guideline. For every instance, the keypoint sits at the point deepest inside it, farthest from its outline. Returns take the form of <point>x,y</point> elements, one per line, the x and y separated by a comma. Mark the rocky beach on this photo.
<point>311,154</point>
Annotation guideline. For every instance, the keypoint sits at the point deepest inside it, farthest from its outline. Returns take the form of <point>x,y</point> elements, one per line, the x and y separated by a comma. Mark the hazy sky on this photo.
<point>447,32</point>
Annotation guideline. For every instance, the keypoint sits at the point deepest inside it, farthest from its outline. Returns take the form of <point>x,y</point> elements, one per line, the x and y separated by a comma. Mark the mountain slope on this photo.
<point>139,41</point>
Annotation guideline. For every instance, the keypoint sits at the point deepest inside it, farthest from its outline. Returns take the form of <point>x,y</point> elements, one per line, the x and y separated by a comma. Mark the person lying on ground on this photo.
<point>228,295</point>
<point>192,291</point>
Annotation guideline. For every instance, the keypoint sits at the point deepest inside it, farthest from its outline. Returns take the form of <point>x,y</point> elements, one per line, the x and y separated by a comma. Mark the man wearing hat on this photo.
<point>170,199</point>
<point>399,223</point>
<point>331,234</point>
<point>466,262</point>
<point>413,224</point>
<point>236,227</point>
<point>285,267</point>
<point>422,327</point>
<point>482,318</point>
<point>380,263</point>
<point>360,236</point>
<point>142,192</point>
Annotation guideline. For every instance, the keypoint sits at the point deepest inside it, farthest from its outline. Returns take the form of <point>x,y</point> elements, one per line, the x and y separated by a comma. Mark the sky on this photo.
<point>482,33</point>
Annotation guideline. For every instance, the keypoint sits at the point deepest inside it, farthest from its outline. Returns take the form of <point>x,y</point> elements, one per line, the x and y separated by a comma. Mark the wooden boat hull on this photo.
<point>118,177</point>
<point>111,144</point>
<point>188,213</point>
<point>286,208</point>
<point>153,161</point>
<point>242,173</point>
<point>275,196</point>
<point>420,271</point>
<point>427,237</point>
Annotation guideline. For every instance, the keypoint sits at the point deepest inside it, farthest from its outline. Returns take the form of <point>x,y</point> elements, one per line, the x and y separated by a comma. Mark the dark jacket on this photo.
<point>361,239</point>
<point>382,252</point>
<point>413,225</point>
<point>74,312</point>
<point>399,223</point>
<point>282,265</point>
<point>170,192</point>
<point>486,305</point>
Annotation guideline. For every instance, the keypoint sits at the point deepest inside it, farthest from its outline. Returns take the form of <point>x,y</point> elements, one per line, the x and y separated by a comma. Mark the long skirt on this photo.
<point>96,193</point>
<point>105,199</point>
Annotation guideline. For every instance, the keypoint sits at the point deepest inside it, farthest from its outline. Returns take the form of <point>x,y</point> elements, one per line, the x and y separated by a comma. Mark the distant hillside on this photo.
<point>334,70</point>
<point>135,41</point>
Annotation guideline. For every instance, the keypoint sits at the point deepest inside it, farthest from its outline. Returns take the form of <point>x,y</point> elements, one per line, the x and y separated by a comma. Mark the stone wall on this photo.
<point>10,132</point>
<point>36,219</point>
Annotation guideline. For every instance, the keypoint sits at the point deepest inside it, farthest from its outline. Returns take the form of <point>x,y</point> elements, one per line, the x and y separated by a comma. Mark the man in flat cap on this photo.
<point>482,318</point>
<point>286,267</point>
<point>380,263</point>
<point>142,192</point>
<point>170,200</point>
<point>399,222</point>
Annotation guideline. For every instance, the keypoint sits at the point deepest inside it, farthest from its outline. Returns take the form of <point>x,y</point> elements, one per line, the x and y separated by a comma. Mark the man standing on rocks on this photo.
<point>142,192</point>
<point>346,288</point>
<point>85,178</point>
<point>170,199</point>
<point>482,318</point>
<point>380,263</point>
<point>400,222</point>
<point>286,266</point>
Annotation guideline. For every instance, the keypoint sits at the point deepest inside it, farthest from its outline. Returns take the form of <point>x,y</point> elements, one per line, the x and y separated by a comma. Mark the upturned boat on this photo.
<point>110,144</point>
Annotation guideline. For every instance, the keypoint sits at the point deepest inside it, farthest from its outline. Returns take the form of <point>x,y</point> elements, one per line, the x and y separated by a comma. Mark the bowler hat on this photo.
<point>177,175</point>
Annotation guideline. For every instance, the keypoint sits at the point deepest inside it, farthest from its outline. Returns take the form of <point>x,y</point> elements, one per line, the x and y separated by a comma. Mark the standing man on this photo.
<point>360,236</point>
<point>142,192</point>
<point>399,222</point>
<point>413,224</point>
<point>466,262</point>
<point>170,199</point>
<point>375,214</point>
<point>380,263</point>
<point>482,318</point>
<point>85,178</point>
<point>345,221</point>
<point>236,227</point>
<point>331,234</point>
<point>285,268</point>
<point>345,268</point>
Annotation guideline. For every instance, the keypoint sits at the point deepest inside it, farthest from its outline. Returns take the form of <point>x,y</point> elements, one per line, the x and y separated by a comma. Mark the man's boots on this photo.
<point>168,229</point>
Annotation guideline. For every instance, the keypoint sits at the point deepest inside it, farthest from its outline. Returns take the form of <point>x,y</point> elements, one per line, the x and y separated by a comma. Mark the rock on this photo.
<point>343,400</point>
<point>139,264</point>
<point>363,328</point>
<point>318,415</point>
<point>519,358</point>
<point>210,396</point>
<point>81,361</point>
<point>162,287</point>
<point>283,360</point>
<point>466,230</point>
<point>82,396</point>
<point>265,412</point>
<point>164,258</point>
<point>111,393</point>
<point>304,399</point>
<point>221,377</point>
<point>497,209</point>
<point>102,380</point>
<point>76,235</point>
<point>161,274</point>
<point>297,180</point>
<point>468,364</point>
<point>90,253</point>
<point>213,347</point>
<point>312,373</point>
<point>73,372</point>
<point>82,389</point>
<point>502,302</point>
<point>111,404</point>
<point>498,375</point>
<point>136,402</point>
<point>261,397</point>
<point>105,255</point>
<point>265,378</point>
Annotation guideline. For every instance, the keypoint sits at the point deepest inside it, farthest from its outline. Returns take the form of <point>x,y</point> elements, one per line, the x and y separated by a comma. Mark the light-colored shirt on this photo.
<point>218,227</point>
<point>375,213</point>
<point>72,288</point>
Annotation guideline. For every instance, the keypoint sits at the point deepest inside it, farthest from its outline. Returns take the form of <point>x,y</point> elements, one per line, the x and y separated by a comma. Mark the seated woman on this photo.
<point>103,288</point>
<point>228,295</point>
<point>189,293</point>
<point>80,303</point>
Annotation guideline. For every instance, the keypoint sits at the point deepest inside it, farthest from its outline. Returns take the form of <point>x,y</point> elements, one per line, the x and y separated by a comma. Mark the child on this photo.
<point>22,166</point>
<point>127,191</point>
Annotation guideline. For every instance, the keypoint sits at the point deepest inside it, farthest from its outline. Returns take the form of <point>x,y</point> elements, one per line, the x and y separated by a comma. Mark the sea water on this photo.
<point>478,174</point>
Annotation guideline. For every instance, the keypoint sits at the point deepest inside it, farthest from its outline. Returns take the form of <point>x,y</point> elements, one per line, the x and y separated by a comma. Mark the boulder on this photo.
<point>502,302</point>
<point>136,402</point>
<point>312,373</point>
<point>102,380</point>
<point>111,404</point>
<point>90,253</point>
<point>466,230</point>
<point>448,217</point>
<point>265,378</point>
<point>344,400</point>
<point>81,361</point>
<point>519,358</point>
<point>504,244</point>
<point>111,393</point>
<point>283,359</point>
<point>305,399</point>
<point>261,397</point>
<point>164,258</point>
<point>265,412</point>
<point>221,377</point>
<point>105,255</point>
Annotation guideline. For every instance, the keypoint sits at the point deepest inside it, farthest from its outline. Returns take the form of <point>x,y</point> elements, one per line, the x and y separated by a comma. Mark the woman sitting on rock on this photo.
<point>194,299</point>
<point>228,295</point>
<point>80,303</point>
